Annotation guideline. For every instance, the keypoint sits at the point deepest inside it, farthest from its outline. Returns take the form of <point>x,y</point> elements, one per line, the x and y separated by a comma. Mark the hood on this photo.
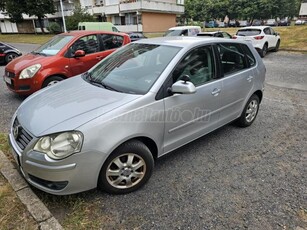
<point>25,61</point>
<point>68,105</point>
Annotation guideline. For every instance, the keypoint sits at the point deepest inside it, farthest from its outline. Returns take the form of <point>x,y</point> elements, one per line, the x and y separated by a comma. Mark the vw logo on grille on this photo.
<point>16,131</point>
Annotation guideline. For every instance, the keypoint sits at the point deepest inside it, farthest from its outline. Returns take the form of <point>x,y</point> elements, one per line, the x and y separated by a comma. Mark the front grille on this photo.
<point>22,138</point>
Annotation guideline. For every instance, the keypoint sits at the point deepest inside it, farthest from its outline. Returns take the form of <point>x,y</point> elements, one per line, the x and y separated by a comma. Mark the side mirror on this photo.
<point>183,87</point>
<point>79,53</point>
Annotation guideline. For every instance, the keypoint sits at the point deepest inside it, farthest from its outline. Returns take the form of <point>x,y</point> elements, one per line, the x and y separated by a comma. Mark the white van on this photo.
<point>183,31</point>
<point>106,26</point>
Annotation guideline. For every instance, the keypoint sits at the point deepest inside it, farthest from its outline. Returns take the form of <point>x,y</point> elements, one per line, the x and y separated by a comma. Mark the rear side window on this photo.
<point>250,57</point>
<point>232,57</point>
<point>112,41</point>
<point>248,32</point>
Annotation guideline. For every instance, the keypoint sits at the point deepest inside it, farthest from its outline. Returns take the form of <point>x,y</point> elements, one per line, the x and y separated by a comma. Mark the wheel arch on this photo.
<point>53,75</point>
<point>259,94</point>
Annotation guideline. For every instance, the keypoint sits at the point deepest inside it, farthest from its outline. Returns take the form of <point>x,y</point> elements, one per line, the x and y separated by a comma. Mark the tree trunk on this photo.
<point>40,22</point>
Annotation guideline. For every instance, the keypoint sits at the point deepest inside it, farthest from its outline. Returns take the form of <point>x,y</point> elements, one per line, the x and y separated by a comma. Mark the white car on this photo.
<point>263,38</point>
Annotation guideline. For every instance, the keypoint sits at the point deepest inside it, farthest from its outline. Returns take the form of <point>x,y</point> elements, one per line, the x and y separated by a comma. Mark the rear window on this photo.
<point>248,32</point>
<point>207,35</point>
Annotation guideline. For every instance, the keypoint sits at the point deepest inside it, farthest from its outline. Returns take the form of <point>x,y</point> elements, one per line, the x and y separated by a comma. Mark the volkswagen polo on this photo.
<point>106,127</point>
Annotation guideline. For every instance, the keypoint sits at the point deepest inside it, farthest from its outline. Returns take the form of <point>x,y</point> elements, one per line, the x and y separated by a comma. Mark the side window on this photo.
<point>112,41</point>
<point>267,31</point>
<point>232,57</point>
<point>250,57</point>
<point>198,64</point>
<point>88,43</point>
<point>225,35</point>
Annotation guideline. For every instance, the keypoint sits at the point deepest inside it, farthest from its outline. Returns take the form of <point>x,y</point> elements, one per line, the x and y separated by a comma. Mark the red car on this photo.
<point>64,56</point>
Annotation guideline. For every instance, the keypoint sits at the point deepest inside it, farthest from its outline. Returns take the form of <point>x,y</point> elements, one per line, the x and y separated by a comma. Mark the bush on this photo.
<point>54,28</point>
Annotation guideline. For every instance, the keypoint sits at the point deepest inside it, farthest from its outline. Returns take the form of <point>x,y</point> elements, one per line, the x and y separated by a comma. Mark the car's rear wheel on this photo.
<point>277,46</point>
<point>264,50</point>
<point>127,169</point>
<point>250,112</point>
<point>9,57</point>
<point>52,80</point>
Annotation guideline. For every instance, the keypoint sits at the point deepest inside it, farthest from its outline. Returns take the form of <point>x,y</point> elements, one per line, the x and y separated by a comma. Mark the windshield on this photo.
<point>53,46</point>
<point>248,32</point>
<point>132,69</point>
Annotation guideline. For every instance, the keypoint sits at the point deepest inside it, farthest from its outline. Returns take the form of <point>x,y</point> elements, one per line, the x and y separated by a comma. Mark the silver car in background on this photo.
<point>106,127</point>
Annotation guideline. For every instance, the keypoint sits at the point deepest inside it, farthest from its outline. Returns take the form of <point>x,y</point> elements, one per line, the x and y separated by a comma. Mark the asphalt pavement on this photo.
<point>233,178</point>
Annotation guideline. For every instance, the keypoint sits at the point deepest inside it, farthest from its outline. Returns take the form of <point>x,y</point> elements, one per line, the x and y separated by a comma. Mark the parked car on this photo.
<point>284,22</point>
<point>220,34</point>
<point>221,24</point>
<point>134,36</point>
<point>211,24</point>
<point>244,23</point>
<point>300,22</point>
<point>233,23</point>
<point>257,22</point>
<point>183,31</point>
<point>8,53</point>
<point>271,22</point>
<point>105,127</point>
<point>263,38</point>
<point>64,56</point>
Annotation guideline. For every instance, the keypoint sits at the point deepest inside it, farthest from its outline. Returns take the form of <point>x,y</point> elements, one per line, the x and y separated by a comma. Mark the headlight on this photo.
<point>60,145</point>
<point>29,71</point>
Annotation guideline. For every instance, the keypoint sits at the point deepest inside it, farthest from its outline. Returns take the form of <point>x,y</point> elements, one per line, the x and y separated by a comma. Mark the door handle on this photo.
<point>250,78</point>
<point>216,92</point>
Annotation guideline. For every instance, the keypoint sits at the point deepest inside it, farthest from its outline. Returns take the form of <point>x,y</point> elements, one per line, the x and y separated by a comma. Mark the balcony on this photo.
<point>154,6</point>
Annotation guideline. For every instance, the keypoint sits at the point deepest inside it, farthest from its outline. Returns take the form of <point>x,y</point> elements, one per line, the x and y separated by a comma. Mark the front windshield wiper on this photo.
<point>34,52</point>
<point>89,77</point>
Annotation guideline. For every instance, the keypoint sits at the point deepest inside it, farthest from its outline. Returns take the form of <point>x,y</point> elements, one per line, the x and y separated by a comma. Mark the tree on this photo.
<point>79,15</point>
<point>38,8</point>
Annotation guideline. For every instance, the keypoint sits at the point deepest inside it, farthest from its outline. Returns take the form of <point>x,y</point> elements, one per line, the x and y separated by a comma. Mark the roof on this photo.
<point>86,32</point>
<point>183,41</point>
<point>184,27</point>
<point>254,27</point>
<point>303,9</point>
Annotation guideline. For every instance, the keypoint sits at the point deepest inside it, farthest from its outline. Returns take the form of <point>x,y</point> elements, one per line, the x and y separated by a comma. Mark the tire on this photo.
<point>52,80</point>
<point>264,50</point>
<point>9,57</point>
<point>127,169</point>
<point>277,46</point>
<point>250,112</point>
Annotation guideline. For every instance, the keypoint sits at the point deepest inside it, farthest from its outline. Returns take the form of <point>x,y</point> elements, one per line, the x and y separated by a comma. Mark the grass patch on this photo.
<point>26,38</point>
<point>4,145</point>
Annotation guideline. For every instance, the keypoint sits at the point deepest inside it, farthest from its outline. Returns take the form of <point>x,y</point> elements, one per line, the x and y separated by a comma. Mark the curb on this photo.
<point>34,205</point>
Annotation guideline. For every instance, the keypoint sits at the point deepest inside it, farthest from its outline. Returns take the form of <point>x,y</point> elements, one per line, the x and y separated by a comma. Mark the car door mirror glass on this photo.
<point>183,87</point>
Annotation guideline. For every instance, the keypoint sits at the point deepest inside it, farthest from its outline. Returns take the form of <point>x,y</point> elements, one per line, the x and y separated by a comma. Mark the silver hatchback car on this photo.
<point>106,127</point>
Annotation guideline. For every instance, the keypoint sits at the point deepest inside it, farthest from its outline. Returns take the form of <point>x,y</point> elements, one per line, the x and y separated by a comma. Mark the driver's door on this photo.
<point>189,116</point>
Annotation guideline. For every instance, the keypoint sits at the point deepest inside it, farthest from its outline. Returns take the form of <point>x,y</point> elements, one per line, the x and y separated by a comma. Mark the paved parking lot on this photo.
<point>234,178</point>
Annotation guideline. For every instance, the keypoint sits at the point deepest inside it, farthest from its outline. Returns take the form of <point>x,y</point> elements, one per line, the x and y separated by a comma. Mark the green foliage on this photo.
<point>54,28</point>
<point>79,15</point>
<point>204,10</point>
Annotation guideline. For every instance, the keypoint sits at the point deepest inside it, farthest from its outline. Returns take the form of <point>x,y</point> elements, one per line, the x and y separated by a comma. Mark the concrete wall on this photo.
<point>156,22</point>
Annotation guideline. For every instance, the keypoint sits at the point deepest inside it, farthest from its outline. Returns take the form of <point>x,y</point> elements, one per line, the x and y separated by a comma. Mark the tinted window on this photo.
<point>250,57</point>
<point>232,57</point>
<point>89,44</point>
<point>267,31</point>
<point>112,41</point>
<point>198,64</point>
<point>248,32</point>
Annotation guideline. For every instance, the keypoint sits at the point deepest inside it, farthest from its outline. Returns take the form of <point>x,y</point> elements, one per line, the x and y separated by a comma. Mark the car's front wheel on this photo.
<point>9,57</point>
<point>52,80</point>
<point>127,169</point>
<point>250,112</point>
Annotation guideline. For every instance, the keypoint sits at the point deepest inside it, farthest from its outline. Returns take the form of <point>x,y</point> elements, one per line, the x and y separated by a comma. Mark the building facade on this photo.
<point>127,15</point>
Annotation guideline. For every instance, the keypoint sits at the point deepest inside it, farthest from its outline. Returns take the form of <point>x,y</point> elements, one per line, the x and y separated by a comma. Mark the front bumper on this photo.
<point>74,174</point>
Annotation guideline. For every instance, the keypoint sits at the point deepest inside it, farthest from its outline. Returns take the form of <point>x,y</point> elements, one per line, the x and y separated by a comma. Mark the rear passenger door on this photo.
<point>238,78</point>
